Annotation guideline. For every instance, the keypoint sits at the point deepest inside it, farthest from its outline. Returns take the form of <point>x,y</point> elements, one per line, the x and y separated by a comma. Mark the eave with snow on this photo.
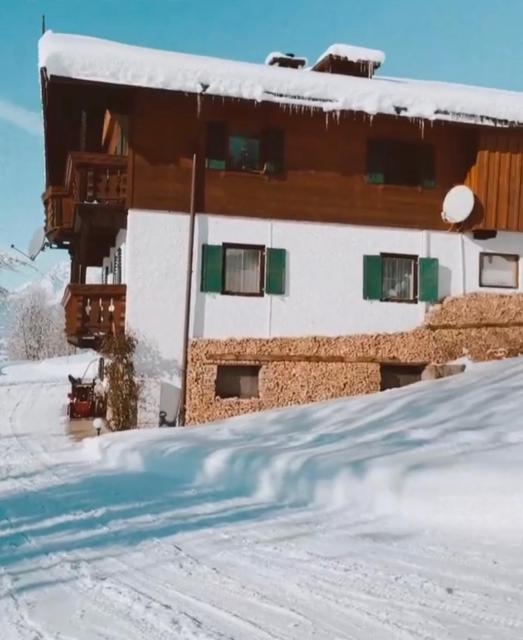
<point>325,183</point>
<point>101,61</point>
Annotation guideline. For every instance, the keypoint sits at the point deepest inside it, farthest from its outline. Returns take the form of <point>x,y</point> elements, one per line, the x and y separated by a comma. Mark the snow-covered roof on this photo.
<point>92,59</point>
<point>354,54</point>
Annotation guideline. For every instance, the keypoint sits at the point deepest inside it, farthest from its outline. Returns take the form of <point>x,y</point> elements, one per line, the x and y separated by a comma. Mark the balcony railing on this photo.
<point>93,311</point>
<point>58,210</point>
<point>91,178</point>
<point>97,178</point>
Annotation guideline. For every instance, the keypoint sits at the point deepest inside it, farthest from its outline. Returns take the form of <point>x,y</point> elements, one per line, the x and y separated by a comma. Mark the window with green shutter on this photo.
<point>275,270</point>
<point>400,278</point>
<point>212,268</point>
<point>243,270</point>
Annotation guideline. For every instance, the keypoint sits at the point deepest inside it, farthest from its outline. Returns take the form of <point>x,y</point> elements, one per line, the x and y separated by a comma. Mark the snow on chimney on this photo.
<point>348,60</point>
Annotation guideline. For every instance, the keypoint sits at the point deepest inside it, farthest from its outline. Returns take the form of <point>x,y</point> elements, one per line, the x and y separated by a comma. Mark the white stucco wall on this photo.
<point>324,280</point>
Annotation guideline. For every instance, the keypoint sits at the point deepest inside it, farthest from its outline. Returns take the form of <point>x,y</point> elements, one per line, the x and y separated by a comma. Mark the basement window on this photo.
<point>237,381</point>
<point>399,375</point>
<point>401,163</point>
<point>498,270</point>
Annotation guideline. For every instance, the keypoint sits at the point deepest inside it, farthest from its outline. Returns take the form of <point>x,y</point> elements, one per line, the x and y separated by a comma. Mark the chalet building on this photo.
<point>273,233</point>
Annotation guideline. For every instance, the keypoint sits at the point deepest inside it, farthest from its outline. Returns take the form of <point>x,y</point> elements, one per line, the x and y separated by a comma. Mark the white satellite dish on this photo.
<point>37,243</point>
<point>458,204</point>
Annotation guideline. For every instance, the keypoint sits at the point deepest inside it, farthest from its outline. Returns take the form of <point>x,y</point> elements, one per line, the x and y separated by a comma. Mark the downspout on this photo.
<point>188,299</point>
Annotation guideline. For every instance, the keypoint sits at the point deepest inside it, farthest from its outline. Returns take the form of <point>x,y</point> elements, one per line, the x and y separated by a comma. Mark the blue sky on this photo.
<point>469,41</point>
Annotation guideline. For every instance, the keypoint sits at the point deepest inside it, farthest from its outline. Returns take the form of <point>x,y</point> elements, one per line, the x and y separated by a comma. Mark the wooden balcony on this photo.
<point>93,311</point>
<point>95,183</point>
<point>59,214</point>
<point>97,178</point>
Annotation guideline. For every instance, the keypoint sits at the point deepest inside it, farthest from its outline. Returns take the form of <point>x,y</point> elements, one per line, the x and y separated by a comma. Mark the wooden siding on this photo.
<point>497,180</point>
<point>325,164</point>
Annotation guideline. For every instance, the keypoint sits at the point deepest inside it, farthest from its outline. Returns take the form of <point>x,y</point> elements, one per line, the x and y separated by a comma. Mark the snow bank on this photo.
<point>437,454</point>
<point>84,364</point>
<point>92,59</point>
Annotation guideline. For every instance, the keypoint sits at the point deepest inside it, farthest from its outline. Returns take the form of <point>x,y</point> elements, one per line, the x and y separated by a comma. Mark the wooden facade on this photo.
<point>325,160</point>
<point>324,177</point>
<point>497,180</point>
<point>110,149</point>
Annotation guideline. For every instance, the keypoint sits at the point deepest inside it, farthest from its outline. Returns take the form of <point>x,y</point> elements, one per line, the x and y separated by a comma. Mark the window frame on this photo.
<point>388,143</point>
<point>237,367</point>
<point>236,245</point>
<point>514,256</point>
<point>403,256</point>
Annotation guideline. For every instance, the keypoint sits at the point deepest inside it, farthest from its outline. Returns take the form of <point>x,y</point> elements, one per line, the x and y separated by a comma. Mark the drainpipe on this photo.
<point>188,298</point>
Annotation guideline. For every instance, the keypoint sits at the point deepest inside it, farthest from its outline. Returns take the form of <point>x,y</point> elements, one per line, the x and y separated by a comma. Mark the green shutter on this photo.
<point>275,271</point>
<point>428,280</point>
<point>372,278</point>
<point>212,268</point>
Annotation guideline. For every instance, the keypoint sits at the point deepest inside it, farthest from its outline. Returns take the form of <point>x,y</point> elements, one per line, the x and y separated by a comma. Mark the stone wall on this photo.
<point>302,370</point>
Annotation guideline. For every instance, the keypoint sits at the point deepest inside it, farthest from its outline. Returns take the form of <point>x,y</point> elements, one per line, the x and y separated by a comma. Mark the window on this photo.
<point>398,277</point>
<point>498,270</point>
<point>400,163</point>
<point>239,269</point>
<point>243,270</point>
<point>395,375</point>
<point>261,152</point>
<point>117,267</point>
<point>237,381</point>
<point>244,153</point>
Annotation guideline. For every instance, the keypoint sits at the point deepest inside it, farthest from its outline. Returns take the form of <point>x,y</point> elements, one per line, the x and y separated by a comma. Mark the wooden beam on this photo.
<point>475,325</point>
<point>221,358</point>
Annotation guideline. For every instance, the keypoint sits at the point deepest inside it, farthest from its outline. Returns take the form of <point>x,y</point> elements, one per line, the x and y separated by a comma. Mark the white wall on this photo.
<point>324,277</point>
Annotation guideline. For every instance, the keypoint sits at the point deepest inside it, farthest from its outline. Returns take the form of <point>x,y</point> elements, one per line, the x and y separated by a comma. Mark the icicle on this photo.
<point>198,105</point>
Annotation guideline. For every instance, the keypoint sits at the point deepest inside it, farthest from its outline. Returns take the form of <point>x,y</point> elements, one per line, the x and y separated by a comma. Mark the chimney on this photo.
<point>348,60</point>
<point>287,60</point>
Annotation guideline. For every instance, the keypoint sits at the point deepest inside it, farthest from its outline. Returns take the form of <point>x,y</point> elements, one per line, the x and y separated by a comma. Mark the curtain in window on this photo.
<point>398,278</point>
<point>242,270</point>
<point>499,271</point>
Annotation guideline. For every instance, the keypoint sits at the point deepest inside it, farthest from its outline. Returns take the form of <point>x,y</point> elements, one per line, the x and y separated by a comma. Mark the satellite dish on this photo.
<point>458,204</point>
<point>37,243</point>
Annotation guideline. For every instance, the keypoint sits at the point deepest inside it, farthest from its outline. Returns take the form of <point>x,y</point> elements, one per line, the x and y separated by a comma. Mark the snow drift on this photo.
<point>444,453</point>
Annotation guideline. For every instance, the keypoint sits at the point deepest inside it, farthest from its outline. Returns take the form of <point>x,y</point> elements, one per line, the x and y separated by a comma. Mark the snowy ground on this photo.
<point>393,516</point>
